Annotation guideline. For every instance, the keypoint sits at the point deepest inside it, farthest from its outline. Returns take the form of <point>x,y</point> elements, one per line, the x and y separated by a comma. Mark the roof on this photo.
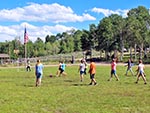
<point>4,56</point>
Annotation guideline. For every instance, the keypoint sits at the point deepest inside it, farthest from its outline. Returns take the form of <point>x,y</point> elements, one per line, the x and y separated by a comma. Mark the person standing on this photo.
<point>113,70</point>
<point>140,71</point>
<point>92,71</point>
<point>38,72</point>
<point>82,70</point>
<point>28,68</point>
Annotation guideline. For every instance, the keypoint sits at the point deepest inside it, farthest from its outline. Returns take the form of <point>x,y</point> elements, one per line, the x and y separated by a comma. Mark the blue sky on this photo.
<point>49,17</point>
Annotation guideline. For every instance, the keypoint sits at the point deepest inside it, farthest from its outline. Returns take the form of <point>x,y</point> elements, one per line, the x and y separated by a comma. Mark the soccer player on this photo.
<point>92,71</point>
<point>141,72</point>
<point>62,67</point>
<point>129,67</point>
<point>38,72</point>
<point>28,67</point>
<point>82,70</point>
<point>113,70</point>
<point>59,69</point>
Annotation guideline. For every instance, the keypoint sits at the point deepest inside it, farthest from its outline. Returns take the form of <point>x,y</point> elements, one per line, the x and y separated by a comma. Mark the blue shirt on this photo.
<point>63,66</point>
<point>39,68</point>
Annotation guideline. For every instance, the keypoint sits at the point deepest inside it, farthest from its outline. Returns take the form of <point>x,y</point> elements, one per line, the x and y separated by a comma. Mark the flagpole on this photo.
<point>25,45</point>
<point>25,55</point>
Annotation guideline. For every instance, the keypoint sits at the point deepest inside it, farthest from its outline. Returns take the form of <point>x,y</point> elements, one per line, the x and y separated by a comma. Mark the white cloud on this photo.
<point>33,12</point>
<point>48,14</point>
<point>10,32</point>
<point>108,12</point>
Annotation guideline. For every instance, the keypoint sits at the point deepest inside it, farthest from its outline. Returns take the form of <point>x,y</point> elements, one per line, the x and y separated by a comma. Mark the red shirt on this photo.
<point>113,65</point>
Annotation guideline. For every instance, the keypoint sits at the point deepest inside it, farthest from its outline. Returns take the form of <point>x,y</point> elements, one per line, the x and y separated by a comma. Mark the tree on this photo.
<point>66,43</point>
<point>118,24</point>
<point>39,47</point>
<point>85,43</point>
<point>139,17</point>
<point>77,40</point>
<point>104,35</point>
<point>30,49</point>
<point>50,39</point>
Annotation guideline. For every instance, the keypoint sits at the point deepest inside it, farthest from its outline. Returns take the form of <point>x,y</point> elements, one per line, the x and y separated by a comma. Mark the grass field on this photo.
<point>18,93</point>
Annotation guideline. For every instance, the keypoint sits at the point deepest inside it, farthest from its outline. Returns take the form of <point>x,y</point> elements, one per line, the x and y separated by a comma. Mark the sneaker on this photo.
<point>90,83</point>
<point>95,83</point>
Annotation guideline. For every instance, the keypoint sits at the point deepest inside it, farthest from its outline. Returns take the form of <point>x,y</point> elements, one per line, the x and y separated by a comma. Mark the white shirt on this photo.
<point>141,67</point>
<point>82,67</point>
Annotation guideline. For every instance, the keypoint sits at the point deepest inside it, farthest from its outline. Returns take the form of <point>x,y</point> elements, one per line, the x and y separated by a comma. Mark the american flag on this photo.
<point>25,36</point>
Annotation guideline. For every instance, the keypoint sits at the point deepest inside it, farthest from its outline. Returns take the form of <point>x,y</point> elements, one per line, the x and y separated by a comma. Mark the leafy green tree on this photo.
<point>92,35</point>
<point>104,35</point>
<point>63,48</point>
<point>69,44</point>
<point>52,48</point>
<point>77,40</point>
<point>66,43</point>
<point>140,18</point>
<point>50,39</point>
<point>30,49</point>
<point>55,47</point>
<point>48,47</point>
<point>4,47</point>
<point>39,47</point>
<point>15,45</point>
<point>118,24</point>
<point>85,43</point>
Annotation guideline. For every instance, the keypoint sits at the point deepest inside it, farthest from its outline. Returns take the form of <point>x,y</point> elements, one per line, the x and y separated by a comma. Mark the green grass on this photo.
<point>18,93</point>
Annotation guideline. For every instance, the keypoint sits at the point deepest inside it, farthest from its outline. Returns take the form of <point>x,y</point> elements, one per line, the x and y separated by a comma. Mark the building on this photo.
<point>4,58</point>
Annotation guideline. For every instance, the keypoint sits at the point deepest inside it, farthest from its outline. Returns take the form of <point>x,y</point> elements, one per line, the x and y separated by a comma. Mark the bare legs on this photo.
<point>143,77</point>
<point>38,81</point>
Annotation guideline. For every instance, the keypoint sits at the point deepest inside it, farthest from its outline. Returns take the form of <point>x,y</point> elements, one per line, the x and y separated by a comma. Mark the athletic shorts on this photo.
<point>113,72</point>
<point>141,72</point>
<point>82,72</point>
<point>61,70</point>
<point>38,75</point>
<point>92,76</point>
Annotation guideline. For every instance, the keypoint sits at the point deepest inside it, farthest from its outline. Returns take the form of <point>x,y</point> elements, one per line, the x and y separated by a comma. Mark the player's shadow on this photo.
<point>25,85</point>
<point>68,80</point>
<point>29,85</point>
<point>80,84</point>
<point>75,84</point>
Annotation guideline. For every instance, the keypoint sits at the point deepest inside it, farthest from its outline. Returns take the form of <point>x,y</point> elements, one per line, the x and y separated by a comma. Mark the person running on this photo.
<point>62,67</point>
<point>141,72</point>
<point>38,72</point>
<point>59,69</point>
<point>129,67</point>
<point>82,70</point>
<point>113,70</point>
<point>92,71</point>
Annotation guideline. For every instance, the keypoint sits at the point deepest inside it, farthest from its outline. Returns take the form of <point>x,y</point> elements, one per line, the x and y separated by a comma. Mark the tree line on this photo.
<point>111,35</point>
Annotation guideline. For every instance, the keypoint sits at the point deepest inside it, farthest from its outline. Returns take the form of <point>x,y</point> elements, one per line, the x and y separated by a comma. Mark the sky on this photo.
<point>49,17</point>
